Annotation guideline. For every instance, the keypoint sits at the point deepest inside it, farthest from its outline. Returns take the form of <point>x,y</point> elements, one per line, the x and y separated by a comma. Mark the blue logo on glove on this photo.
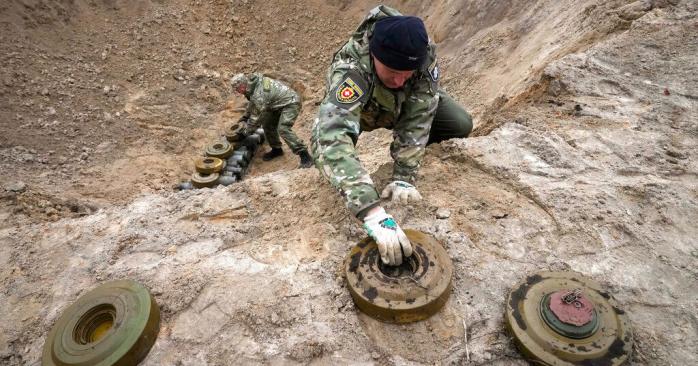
<point>388,223</point>
<point>404,185</point>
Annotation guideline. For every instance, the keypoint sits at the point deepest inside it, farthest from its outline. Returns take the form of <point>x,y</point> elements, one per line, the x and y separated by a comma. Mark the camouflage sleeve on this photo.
<point>248,111</point>
<point>334,136</point>
<point>254,109</point>
<point>411,133</point>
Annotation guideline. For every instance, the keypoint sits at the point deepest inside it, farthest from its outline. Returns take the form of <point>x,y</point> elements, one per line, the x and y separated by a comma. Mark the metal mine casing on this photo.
<point>601,336</point>
<point>199,180</point>
<point>232,133</point>
<point>419,292</point>
<point>209,165</point>
<point>221,149</point>
<point>115,324</point>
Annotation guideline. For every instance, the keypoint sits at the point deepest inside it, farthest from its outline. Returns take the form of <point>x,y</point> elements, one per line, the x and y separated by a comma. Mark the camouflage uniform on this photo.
<point>274,106</point>
<point>357,101</point>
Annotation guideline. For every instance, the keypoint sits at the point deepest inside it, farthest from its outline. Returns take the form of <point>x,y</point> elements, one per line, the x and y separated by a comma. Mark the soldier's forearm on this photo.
<point>362,213</point>
<point>339,164</point>
<point>333,140</point>
<point>248,110</point>
<point>405,174</point>
<point>408,158</point>
<point>361,200</point>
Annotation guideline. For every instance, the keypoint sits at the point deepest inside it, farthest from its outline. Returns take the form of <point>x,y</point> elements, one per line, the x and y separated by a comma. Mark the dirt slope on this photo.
<point>585,159</point>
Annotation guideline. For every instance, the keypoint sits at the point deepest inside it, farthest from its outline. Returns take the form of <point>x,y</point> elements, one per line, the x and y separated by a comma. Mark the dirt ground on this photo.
<point>584,159</point>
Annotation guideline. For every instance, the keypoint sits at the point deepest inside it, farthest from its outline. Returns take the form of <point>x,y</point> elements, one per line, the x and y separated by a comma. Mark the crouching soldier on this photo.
<point>385,76</point>
<point>275,106</point>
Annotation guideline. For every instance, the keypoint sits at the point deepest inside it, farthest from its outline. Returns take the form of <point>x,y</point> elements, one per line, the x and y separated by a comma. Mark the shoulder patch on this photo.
<point>348,91</point>
<point>434,71</point>
<point>266,83</point>
<point>351,90</point>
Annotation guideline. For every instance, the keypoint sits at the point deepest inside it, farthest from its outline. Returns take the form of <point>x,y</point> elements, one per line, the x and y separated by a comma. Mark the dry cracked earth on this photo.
<point>584,158</point>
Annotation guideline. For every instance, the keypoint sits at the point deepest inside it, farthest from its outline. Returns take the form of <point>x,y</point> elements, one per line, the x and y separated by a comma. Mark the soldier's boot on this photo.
<point>273,153</point>
<point>306,159</point>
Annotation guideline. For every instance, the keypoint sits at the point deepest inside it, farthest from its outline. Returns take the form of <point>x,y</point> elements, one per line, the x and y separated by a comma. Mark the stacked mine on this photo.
<point>226,161</point>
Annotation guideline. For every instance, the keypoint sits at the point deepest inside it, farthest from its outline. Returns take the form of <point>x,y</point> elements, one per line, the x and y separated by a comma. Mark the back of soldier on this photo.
<point>273,94</point>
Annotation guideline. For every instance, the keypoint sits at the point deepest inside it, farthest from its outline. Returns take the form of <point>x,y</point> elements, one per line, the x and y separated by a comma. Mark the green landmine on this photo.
<point>115,324</point>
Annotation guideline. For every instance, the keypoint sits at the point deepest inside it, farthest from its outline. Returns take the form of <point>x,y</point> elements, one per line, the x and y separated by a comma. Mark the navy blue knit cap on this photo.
<point>400,42</point>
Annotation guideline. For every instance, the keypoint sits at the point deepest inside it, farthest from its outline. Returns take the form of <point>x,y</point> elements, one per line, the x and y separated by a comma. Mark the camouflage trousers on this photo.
<point>451,120</point>
<point>280,123</point>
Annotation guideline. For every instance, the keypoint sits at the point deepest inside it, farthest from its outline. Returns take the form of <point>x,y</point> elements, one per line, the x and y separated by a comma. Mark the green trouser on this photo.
<point>280,122</point>
<point>450,121</point>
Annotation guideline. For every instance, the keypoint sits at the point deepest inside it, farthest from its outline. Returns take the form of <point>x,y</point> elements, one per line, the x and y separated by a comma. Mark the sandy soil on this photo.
<point>584,159</point>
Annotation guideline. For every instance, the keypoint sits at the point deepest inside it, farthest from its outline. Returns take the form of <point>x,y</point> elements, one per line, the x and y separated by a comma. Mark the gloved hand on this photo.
<point>401,192</point>
<point>392,241</point>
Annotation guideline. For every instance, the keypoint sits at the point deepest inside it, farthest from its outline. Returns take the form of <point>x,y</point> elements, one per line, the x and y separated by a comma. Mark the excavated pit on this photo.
<point>583,158</point>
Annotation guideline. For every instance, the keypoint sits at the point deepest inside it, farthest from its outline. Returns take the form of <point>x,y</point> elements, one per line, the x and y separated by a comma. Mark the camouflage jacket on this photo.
<point>357,101</point>
<point>266,94</point>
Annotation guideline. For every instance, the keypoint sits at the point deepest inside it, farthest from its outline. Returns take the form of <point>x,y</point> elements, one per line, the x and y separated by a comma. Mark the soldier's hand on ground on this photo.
<point>392,241</point>
<point>402,192</point>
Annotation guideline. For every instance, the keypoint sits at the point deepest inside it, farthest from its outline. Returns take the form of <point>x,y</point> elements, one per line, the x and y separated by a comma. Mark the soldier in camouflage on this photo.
<point>274,106</point>
<point>385,76</point>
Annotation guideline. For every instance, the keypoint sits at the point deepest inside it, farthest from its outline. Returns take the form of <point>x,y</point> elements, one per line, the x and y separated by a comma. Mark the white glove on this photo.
<point>402,192</point>
<point>392,241</point>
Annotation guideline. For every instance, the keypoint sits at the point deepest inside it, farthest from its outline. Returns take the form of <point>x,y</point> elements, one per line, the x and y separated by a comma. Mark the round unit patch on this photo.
<point>348,91</point>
